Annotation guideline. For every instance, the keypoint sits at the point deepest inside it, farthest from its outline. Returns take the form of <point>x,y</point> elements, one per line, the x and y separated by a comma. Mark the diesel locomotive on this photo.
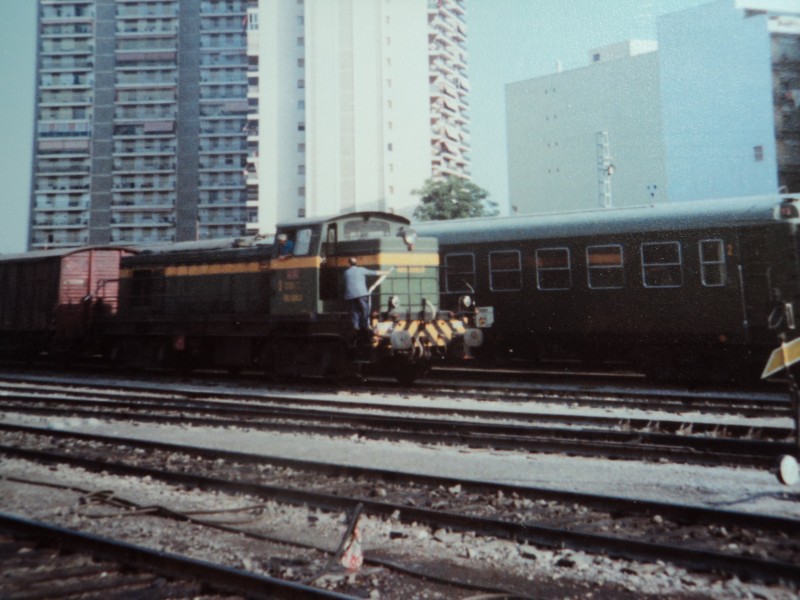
<point>683,290</point>
<point>243,304</point>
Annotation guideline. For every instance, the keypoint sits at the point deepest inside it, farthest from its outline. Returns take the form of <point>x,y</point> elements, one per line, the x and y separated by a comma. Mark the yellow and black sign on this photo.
<point>785,356</point>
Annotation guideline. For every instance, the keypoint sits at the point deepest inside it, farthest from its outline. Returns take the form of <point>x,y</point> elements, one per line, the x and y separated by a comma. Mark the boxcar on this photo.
<point>52,299</point>
<point>682,289</point>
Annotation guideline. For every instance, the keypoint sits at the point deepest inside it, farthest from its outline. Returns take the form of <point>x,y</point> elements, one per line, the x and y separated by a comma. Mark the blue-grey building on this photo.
<point>712,110</point>
<point>730,92</point>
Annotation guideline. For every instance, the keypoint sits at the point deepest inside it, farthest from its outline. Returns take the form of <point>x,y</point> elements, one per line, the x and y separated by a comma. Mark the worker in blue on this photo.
<point>357,294</point>
<point>285,246</point>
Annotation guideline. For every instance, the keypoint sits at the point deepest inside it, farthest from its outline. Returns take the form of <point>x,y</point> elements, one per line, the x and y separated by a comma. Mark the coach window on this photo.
<point>661,265</point>
<point>712,263</point>
<point>505,271</point>
<point>553,271</point>
<point>460,272</point>
<point>604,267</point>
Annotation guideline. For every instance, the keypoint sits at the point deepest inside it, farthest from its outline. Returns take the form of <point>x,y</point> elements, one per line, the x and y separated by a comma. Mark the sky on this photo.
<point>507,41</point>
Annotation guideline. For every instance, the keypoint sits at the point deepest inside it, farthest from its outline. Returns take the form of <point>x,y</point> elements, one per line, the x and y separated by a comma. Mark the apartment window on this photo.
<point>604,267</point>
<point>758,153</point>
<point>301,62</point>
<point>301,169</point>
<point>301,83</point>
<point>459,272</point>
<point>661,265</point>
<point>553,271</point>
<point>712,263</point>
<point>301,41</point>
<point>301,147</point>
<point>505,271</point>
<point>301,191</point>
<point>301,127</point>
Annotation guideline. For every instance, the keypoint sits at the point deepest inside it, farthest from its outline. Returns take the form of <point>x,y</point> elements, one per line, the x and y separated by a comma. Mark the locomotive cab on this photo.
<point>308,282</point>
<point>409,331</point>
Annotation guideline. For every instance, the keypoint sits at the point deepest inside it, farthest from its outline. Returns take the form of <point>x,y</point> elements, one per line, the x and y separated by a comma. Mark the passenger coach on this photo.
<point>681,289</point>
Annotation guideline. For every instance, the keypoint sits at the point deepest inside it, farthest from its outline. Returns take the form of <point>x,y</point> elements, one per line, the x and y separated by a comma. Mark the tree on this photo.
<point>452,198</point>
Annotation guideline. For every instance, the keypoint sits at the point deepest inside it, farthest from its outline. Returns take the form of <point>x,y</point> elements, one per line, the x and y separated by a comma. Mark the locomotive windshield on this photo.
<point>357,229</point>
<point>302,244</point>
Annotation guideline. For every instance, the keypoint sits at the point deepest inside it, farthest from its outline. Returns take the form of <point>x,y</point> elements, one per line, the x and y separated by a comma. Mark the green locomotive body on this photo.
<point>239,304</point>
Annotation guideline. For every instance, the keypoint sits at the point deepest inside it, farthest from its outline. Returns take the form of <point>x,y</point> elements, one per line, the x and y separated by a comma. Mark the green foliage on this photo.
<point>452,198</point>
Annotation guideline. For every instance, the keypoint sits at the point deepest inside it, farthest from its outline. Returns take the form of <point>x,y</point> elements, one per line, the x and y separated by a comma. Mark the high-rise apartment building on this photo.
<point>162,120</point>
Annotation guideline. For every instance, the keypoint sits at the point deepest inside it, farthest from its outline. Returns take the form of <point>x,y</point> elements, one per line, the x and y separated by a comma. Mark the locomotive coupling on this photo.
<point>417,335</point>
<point>445,330</point>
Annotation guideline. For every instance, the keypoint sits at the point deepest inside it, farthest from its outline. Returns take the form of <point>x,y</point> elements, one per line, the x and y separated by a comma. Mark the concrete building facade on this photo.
<point>730,93</point>
<point>171,120</point>
<point>711,113</point>
<point>588,137</point>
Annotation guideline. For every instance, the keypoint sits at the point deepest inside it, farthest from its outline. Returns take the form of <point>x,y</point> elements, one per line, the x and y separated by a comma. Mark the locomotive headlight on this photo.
<point>394,301</point>
<point>465,302</point>
<point>410,238</point>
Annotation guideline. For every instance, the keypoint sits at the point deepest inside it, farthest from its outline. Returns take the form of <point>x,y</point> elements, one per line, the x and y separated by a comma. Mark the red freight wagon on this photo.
<point>50,299</point>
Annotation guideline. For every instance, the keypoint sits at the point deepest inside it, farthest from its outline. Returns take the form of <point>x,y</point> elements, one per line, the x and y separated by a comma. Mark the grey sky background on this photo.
<point>508,40</point>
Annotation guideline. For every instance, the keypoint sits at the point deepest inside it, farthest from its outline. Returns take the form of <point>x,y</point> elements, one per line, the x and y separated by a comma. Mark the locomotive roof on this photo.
<point>214,244</point>
<point>654,217</point>
<point>366,215</point>
<point>59,252</point>
<point>203,251</point>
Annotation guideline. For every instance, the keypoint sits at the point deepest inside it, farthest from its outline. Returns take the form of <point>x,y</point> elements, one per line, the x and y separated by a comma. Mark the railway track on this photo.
<point>519,428</point>
<point>742,544</point>
<point>42,561</point>
<point>519,387</point>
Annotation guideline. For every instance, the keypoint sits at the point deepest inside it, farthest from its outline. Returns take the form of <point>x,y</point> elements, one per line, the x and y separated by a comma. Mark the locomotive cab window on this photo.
<point>604,267</point>
<point>359,229</point>
<point>553,270</point>
<point>712,263</point>
<point>505,271</point>
<point>661,265</point>
<point>459,272</point>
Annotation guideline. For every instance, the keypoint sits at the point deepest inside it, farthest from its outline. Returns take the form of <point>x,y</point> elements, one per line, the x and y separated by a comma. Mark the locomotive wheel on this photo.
<point>407,372</point>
